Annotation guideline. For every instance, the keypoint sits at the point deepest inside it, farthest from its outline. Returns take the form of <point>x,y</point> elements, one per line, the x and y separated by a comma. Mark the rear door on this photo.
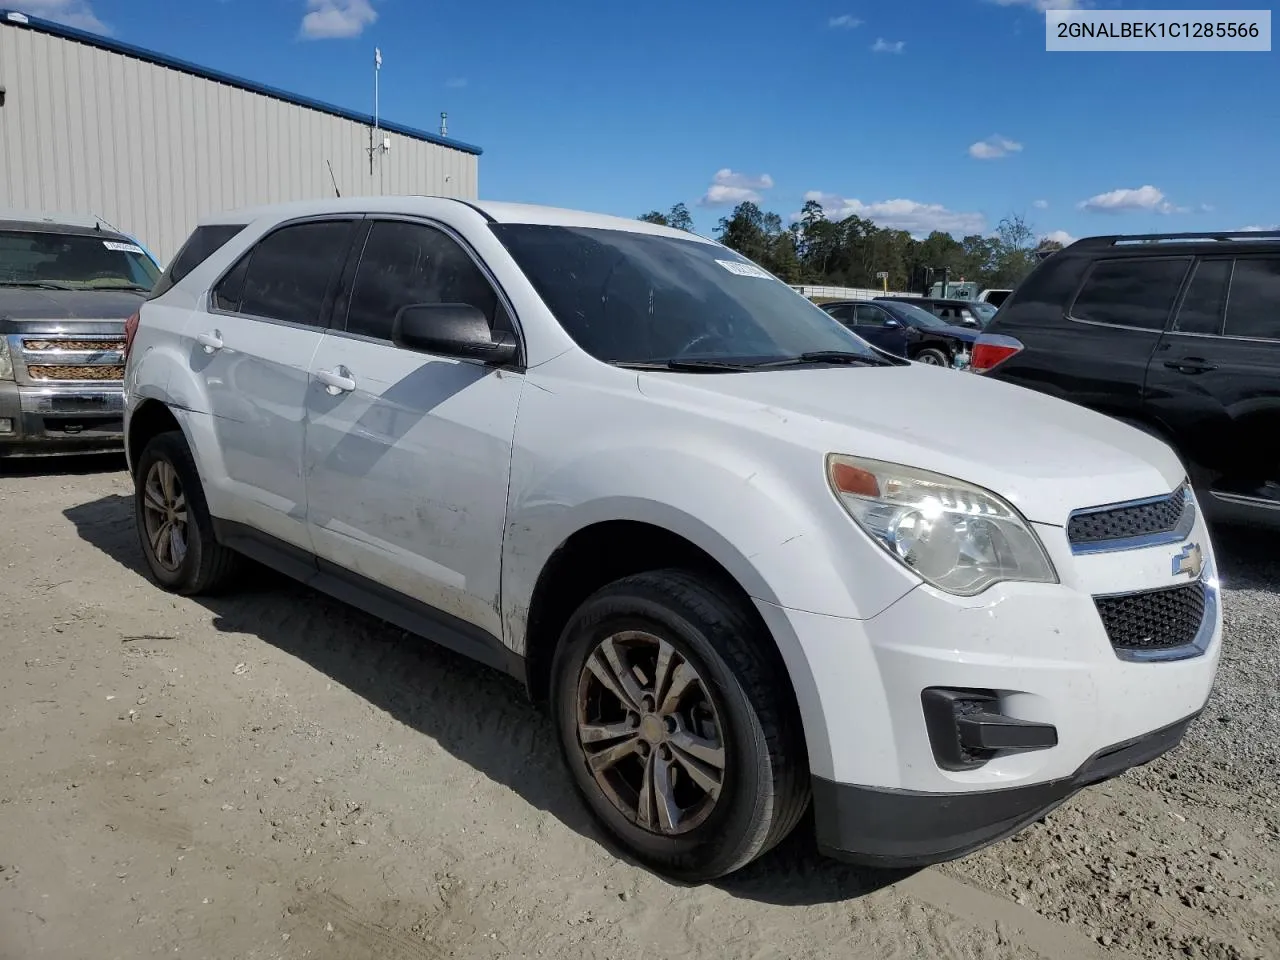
<point>1099,357</point>
<point>1214,381</point>
<point>252,346</point>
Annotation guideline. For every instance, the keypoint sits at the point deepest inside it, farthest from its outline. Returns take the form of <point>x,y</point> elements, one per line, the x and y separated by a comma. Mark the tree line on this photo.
<point>852,251</point>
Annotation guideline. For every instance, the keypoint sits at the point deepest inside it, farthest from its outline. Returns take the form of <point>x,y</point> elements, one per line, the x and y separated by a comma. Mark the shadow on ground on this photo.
<point>1248,558</point>
<point>78,465</point>
<point>391,670</point>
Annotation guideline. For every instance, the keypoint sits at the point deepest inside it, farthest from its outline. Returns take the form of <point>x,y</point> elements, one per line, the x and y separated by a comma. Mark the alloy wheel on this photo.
<point>164,506</point>
<point>649,733</point>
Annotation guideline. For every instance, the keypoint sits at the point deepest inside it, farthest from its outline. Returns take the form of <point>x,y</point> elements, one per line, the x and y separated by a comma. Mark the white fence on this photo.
<point>847,293</point>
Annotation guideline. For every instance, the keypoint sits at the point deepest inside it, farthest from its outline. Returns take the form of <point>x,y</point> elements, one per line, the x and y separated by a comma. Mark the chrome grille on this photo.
<point>81,346</point>
<point>1154,619</point>
<point>1160,519</point>
<point>75,373</point>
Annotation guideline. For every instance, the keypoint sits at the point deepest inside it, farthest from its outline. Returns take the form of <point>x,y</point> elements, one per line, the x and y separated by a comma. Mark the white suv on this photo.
<point>749,561</point>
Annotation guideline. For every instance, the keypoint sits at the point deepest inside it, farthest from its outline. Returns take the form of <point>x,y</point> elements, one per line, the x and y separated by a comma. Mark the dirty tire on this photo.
<point>764,790</point>
<point>933,357</point>
<point>206,565</point>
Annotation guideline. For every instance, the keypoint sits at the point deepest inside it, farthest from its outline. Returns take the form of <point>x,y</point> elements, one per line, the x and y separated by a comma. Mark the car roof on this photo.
<point>493,211</point>
<point>62,229</point>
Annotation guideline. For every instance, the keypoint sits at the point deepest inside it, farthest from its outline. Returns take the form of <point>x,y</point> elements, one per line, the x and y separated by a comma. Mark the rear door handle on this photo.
<point>336,381</point>
<point>1191,365</point>
<point>212,342</point>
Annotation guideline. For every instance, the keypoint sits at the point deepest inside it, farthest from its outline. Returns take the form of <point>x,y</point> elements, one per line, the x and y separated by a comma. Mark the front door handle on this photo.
<point>212,342</point>
<point>1191,365</point>
<point>336,381</point>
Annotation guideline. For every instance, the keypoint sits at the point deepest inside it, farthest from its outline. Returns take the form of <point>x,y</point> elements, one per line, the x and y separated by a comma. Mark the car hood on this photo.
<point>24,303</point>
<point>1044,455</point>
<point>965,334</point>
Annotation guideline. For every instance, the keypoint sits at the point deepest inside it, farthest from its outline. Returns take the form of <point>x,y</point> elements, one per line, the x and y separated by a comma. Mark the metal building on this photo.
<point>150,144</point>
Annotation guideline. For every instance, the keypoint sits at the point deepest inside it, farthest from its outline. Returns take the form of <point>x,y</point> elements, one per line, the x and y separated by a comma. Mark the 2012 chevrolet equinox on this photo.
<point>733,546</point>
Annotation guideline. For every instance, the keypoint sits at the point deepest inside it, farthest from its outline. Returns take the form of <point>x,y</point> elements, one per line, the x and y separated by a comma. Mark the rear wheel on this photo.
<point>174,526</point>
<point>675,727</point>
<point>932,357</point>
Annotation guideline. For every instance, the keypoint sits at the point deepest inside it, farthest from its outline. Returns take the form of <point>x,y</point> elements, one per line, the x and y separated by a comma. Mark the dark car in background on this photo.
<point>66,290</point>
<point>905,330</point>
<point>972,314</point>
<point>1177,334</point>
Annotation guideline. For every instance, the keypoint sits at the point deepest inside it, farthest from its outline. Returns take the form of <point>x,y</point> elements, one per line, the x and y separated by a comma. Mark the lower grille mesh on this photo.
<point>1154,620</point>
<point>52,372</point>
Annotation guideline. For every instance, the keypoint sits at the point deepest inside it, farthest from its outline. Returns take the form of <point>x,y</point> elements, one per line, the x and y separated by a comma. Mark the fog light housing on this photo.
<point>966,728</point>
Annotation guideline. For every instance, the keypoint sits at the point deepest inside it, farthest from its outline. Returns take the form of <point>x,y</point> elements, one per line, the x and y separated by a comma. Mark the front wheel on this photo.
<point>932,357</point>
<point>675,727</point>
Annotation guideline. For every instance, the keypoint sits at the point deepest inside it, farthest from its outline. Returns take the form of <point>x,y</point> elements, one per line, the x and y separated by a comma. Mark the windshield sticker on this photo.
<point>740,269</point>
<point>121,247</point>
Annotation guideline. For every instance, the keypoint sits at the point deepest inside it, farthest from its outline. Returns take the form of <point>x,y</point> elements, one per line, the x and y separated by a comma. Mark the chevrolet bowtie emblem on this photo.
<point>1190,561</point>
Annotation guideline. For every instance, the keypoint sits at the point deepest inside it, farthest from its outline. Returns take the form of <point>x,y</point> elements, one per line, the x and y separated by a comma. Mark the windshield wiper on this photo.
<point>37,284</point>
<point>826,356</point>
<point>690,366</point>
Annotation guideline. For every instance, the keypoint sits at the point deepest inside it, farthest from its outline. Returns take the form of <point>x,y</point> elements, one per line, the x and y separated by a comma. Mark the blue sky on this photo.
<point>919,114</point>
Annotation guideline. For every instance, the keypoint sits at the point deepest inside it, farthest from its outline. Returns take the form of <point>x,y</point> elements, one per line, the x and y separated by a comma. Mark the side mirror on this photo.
<point>451,330</point>
<point>892,324</point>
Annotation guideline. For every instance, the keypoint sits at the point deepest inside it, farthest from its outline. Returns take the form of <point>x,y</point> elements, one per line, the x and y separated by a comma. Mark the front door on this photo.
<point>1214,380</point>
<point>252,348</point>
<point>876,326</point>
<point>408,455</point>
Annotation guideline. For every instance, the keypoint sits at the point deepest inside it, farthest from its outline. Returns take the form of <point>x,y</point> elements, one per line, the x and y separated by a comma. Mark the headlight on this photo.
<point>6,362</point>
<point>958,537</point>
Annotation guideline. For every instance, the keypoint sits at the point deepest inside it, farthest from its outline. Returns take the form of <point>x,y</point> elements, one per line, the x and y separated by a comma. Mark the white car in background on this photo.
<point>746,559</point>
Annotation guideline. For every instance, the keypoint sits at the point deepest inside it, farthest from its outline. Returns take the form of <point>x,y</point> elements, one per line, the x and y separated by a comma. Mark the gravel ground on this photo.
<point>273,775</point>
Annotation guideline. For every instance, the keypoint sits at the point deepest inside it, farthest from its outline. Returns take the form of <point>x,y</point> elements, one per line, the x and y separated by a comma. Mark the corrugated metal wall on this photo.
<point>152,149</point>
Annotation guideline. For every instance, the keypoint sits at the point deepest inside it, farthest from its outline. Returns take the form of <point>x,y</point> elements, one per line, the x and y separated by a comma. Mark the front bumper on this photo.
<point>46,420</point>
<point>903,828</point>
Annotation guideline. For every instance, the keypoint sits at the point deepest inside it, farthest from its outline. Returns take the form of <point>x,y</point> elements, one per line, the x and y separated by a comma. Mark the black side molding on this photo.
<point>372,597</point>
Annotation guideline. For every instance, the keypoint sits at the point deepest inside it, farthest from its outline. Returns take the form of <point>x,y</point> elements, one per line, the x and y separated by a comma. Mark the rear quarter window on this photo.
<point>1131,292</point>
<point>203,243</point>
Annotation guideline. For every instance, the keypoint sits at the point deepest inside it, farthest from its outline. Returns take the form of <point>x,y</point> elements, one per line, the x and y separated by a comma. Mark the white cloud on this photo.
<point>1059,236</point>
<point>728,188</point>
<point>1042,5</point>
<point>337,19</point>
<point>909,215</point>
<point>994,147</point>
<point>884,46</point>
<point>1041,204</point>
<point>456,83</point>
<point>1145,198</point>
<point>846,21</point>
<point>73,13</point>
<point>1257,229</point>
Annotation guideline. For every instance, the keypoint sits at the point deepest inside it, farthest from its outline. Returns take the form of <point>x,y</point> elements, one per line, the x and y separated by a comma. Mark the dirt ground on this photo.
<point>273,775</point>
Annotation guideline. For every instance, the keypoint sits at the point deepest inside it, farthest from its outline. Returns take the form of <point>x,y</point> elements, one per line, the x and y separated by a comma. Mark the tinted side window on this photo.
<point>1254,307</point>
<point>290,271</point>
<point>227,294</point>
<point>871,316</point>
<point>843,312</point>
<point>1201,310</point>
<point>203,243</point>
<point>407,263</point>
<point>1130,293</point>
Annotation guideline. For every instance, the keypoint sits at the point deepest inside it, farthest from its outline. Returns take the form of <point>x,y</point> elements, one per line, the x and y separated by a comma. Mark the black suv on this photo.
<point>1177,334</point>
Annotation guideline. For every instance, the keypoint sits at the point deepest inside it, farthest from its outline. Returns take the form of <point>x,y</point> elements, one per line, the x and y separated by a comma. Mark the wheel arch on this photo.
<point>604,551</point>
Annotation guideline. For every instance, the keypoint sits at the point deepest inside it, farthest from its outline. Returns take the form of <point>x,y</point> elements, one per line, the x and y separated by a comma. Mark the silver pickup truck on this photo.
<point>66,290</point>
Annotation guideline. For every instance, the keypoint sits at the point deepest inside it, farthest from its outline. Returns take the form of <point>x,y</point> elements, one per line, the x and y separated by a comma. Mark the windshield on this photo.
<point>64,261</point>
<point>628,297</point>
<point>911,314</point>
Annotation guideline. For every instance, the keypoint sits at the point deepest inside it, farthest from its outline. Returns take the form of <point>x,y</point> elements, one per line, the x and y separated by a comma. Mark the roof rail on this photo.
<point>90,220</point>
<point>1124,240</point>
